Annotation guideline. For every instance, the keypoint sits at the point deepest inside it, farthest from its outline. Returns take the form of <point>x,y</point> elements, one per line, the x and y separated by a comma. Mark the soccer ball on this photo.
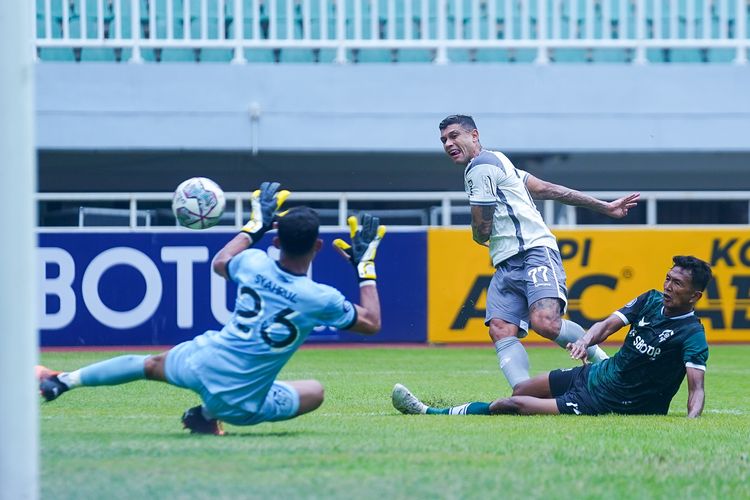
<point>198,203</point>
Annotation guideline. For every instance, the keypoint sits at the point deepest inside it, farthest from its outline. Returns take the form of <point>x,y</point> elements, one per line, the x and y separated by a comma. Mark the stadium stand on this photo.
<point>387,31</point>
<point>604,35</point>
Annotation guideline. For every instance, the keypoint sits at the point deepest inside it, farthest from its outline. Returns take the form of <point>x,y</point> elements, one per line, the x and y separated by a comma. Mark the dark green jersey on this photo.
<point>647,371</point>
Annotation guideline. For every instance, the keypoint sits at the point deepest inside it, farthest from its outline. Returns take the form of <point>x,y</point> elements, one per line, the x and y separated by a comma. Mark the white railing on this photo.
<point>438,26</point>
<point>440,208</point>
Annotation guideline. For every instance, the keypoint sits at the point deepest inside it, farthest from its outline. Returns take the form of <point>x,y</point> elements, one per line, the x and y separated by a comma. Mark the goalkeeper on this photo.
<point>234,370</point>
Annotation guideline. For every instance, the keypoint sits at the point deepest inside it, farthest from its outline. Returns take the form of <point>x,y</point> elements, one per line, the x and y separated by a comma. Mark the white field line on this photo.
<point>726,411</point>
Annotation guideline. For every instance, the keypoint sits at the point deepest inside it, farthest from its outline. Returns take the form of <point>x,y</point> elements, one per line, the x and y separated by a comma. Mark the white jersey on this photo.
<point>491,179</point>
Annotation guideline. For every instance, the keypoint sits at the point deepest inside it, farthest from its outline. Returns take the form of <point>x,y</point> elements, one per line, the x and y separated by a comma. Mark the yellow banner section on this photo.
<point>605,269</point>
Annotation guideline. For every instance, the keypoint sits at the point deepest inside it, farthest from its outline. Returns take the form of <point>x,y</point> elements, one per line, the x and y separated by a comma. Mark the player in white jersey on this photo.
<point>234,370</point>
<point>528,288</point>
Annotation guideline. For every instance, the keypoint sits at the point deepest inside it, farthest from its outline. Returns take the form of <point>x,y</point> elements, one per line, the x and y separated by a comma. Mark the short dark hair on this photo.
<point>466,122</point>
<point>700,271</point>
<point>298,231</point>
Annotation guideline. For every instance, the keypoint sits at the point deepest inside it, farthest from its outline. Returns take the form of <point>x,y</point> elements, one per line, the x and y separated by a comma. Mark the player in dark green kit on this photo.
<point>666,341</point>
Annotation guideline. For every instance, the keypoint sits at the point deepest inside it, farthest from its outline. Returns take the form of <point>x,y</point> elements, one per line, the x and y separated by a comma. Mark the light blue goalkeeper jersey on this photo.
<point>274,313</point>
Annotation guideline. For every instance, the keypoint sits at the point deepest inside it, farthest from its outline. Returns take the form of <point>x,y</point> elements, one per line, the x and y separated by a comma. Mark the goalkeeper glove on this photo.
<point>365,241</point>
<point>264,208</point>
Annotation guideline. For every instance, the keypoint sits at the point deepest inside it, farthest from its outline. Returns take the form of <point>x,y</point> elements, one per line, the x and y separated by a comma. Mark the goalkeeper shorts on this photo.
<point>281,401</point>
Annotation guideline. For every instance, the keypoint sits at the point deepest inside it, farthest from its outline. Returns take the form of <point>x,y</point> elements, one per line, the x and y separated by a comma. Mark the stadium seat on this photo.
<point>58,27</point>
<point>287,19</point>
<point>618,56</point>
<point>55,19</point>
<point>216,27</point>
<point>303,56</point>
<point>161,26</point>
<point>621,25</point>
<point>576,22</point>
<point>387,25</point>
<point>494,56</point>
<point>320,24</point>
<point>690,26</point>
<point>290,25</point>
<point>93,28</point>
<point>487,19</point>
<point>371,10</point>
<point>215,20</point>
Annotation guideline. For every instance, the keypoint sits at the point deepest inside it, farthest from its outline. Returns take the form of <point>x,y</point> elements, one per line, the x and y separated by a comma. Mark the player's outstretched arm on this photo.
<point>265,205</point>
<point>696,393</point>
<point>595,335</point>
<point>544,190</point>
<point>365,238</point>
<point>368,311</point>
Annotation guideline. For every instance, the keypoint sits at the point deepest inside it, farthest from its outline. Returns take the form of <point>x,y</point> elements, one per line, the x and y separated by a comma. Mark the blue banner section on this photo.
<point>104,289</point>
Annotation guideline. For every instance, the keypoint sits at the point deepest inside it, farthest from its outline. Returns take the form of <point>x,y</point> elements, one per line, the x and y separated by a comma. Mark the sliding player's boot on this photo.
<point>194,420</point>
<point>51,388</point>
<point>406,402</point>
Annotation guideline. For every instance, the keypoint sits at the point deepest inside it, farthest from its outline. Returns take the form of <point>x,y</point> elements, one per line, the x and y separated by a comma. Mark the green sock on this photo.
<point>474,408</point>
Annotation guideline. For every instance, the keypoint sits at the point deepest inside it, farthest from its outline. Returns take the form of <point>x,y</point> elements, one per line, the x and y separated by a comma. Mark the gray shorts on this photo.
<point>521,280</point>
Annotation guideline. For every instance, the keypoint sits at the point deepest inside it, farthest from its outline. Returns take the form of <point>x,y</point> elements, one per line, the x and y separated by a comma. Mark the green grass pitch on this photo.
<point>127,441</point>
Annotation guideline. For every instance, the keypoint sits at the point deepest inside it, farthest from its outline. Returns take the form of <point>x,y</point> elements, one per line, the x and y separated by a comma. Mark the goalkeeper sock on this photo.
<point>474,408</point>
<point>513,360</point>
<point>113,371</point>
<point>570,332</point>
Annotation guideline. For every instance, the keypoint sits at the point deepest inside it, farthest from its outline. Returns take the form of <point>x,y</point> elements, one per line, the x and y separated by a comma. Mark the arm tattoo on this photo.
<point>482,229</point>
<point>574,198</point>
<point>487,213</point>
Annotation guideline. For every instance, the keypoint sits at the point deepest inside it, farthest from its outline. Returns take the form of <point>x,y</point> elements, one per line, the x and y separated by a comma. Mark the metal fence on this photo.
<point>346,27</point>
<point>145,211</point>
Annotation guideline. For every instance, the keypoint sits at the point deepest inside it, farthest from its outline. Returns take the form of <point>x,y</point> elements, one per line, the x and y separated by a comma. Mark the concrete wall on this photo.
<point>392,108</point>
<point>237,171</point>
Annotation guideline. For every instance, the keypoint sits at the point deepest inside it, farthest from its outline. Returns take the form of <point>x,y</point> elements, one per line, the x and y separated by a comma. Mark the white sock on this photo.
<point>513,359</point>
<point>570,332</point>
<point>71,379</point>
